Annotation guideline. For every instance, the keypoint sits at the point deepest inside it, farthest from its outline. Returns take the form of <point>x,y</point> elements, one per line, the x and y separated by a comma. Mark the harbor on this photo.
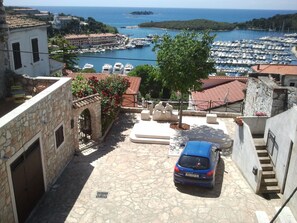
<point>232,58</point>
<point>235,58</point>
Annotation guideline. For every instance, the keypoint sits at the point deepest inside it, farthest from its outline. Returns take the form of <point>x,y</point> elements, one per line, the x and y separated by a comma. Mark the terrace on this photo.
<point>21,89</point>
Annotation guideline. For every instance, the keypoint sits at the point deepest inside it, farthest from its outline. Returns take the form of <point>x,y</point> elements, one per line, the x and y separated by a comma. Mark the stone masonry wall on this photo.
<point>264,95</point>
<point>53,107</point>
<point>258,98</point>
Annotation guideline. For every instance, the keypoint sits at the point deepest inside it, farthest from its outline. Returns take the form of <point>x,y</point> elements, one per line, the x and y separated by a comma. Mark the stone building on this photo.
<point>38,139</point>
<point>271,90</point>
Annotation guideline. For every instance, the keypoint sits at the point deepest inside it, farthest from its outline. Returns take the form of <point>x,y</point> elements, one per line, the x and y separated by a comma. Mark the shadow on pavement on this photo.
<point>58,201</point>
<point>206,192</point>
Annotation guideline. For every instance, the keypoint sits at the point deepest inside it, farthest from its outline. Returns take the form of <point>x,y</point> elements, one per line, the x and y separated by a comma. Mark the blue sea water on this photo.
<point>121,17</point>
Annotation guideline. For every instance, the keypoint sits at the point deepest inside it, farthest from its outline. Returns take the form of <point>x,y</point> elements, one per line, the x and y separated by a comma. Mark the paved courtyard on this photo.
<point>137,179</point>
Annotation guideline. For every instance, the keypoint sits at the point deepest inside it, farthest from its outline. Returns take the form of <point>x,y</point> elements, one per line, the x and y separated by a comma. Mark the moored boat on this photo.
<point>107,69</point>
<point>88,66</point>
<point>128,67</point>
<point>118,68</point>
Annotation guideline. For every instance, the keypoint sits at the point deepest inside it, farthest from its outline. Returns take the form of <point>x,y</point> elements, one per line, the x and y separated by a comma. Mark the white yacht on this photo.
<point>118,68</point>
<point>128,67</point>
<point>88,66</point>
<point>107,69</point>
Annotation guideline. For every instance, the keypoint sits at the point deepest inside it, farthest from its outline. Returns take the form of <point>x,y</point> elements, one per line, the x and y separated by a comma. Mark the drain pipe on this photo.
<point>282,207</point>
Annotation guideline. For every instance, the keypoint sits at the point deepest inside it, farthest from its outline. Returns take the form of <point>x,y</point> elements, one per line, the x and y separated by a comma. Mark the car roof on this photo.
<point>197,148</point>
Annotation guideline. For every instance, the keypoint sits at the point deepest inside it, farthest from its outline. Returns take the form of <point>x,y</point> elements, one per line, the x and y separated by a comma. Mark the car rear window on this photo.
<point>194,162</point>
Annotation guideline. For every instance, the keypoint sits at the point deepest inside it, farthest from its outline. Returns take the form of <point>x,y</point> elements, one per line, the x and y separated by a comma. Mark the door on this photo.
<point>27,179</point>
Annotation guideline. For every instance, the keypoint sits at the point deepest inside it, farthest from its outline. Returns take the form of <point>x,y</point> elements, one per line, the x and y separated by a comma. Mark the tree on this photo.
<point>150,87</point>
<point>61,50</point>
<point>183,61</point>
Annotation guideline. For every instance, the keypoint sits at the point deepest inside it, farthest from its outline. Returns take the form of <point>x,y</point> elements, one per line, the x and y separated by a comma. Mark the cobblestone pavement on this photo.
<point>138,180</point>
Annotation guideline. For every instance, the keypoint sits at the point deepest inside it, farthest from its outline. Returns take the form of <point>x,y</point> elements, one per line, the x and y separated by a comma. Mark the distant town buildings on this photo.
<point>61,22</point>
<point>101,39</point>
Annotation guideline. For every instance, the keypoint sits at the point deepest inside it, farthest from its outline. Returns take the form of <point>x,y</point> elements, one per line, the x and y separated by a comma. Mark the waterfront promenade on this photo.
<point>121,181</point>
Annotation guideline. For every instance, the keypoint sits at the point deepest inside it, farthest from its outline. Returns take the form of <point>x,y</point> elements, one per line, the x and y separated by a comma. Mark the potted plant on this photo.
<point>238,120</point>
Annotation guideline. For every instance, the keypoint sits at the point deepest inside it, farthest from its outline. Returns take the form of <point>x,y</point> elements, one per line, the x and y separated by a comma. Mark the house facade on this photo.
<point>37,142</point>
<point>28,47</point>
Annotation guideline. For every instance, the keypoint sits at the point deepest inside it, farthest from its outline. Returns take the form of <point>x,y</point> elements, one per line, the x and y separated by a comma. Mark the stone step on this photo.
<point>259,142</point>
<point>269,182</point>
<point>269,189</point>
<point>262,152</point>
<point>264,160</point>
<point>268,174</point>
<point>267,166</point>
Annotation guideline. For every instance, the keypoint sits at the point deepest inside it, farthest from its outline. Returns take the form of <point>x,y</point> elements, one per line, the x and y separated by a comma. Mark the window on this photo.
<point>194,162</point>
<point>35,50</point>
<point>59,135</point>
<point>292,84</point>
<point>16,55</point>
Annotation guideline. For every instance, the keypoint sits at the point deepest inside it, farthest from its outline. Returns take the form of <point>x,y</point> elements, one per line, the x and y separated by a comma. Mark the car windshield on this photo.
<point>194,162</point>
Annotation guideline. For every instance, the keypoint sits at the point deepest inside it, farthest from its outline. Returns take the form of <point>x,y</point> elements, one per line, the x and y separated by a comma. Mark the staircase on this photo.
<point>269,183</point>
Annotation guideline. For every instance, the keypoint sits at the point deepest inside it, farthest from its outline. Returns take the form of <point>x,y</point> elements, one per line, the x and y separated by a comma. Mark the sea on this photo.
<point>120,17</point>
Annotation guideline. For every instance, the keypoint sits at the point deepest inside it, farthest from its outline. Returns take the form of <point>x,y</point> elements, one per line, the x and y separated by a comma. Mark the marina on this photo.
<point>233,58</point>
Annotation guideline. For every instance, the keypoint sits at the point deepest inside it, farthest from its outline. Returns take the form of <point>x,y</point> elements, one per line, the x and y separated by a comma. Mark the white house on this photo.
<point>28,46</point>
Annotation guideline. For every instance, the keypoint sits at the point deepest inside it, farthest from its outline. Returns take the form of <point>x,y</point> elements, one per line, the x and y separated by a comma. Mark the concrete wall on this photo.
<point>256,123</point>
<point>290,79</point>
<point>284,127</point>
<point>24,36</point>
<point>245,156</point>
<point>41,115</point>
<point>291,179</point>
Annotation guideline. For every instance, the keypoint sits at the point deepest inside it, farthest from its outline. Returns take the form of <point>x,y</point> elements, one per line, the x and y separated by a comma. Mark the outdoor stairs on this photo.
<point>269,182</point>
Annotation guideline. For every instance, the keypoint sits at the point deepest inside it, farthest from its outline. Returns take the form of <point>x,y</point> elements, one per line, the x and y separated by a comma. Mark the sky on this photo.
<point>218,4</point>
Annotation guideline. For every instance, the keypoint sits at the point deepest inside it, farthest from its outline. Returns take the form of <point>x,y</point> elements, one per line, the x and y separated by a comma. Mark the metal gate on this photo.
<point>27,179</point>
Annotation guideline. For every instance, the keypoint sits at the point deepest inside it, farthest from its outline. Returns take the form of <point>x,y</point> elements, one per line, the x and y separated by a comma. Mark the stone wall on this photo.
<point>264,95</point>
<point>40,115</point>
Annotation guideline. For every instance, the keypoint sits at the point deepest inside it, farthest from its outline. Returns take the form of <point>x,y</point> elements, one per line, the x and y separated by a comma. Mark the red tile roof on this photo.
<point>81,102</point>
<point>134,81</point>
<point>217,80</point>
<point>275,69</point>
<point>229,92</point>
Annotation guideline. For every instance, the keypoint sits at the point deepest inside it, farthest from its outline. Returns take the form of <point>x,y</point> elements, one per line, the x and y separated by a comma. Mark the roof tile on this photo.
<point>22,21</point>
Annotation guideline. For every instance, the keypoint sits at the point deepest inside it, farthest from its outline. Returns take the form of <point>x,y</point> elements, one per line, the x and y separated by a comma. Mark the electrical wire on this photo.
<point>86,56</point>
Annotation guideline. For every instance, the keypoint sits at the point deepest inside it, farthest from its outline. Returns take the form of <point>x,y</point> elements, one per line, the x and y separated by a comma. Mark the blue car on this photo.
<point>197,164</point>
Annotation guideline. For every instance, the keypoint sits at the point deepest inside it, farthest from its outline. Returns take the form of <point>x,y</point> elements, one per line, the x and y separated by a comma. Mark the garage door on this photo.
<point>27,178</point>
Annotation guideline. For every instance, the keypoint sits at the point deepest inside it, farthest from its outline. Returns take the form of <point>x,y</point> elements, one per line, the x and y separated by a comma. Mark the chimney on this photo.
<point>258,67</point>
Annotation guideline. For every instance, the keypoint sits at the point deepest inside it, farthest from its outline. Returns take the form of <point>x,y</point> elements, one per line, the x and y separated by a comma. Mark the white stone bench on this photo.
<point>145,115</point>
<point>211,118</point>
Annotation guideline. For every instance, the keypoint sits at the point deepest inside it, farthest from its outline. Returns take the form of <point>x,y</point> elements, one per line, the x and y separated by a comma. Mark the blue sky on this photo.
<point>230,4</point>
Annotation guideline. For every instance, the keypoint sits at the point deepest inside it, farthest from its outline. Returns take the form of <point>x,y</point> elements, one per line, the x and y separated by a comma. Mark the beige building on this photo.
<point>93,39</point>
